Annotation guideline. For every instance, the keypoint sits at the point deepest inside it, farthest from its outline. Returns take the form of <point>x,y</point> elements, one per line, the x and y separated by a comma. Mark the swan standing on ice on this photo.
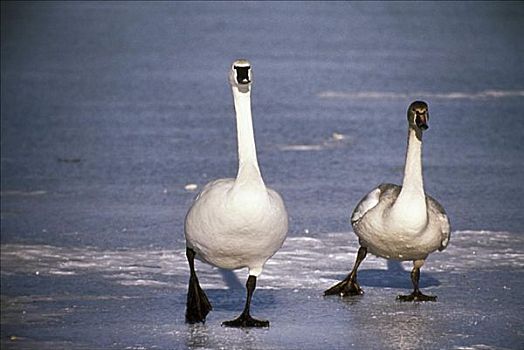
<point>400,222</point>
<point>235,223</point>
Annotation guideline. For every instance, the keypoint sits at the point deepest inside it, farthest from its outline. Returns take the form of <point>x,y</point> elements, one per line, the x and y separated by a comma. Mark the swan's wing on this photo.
<point>210,186</point>
<point>371,200</point>
<point>365,204</point>
<point>437,212</point>
<point>203,198</point>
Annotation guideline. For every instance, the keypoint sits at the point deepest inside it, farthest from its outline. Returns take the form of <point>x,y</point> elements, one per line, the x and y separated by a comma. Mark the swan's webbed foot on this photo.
<point>345,288</point>
<point>349,286</point>
<point>198,305</point>
<point>245,320</point>
<point>416,296</point>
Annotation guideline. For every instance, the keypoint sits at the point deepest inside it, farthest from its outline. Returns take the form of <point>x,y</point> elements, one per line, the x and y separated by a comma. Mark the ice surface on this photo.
<point>112,114</point>
<point>135,297</point>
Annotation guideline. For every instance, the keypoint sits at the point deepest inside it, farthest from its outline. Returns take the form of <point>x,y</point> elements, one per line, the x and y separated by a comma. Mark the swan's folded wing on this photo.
<point>211,185</point>
<point>366,203</point>
<point>438,212</point>
<point>369,202</point>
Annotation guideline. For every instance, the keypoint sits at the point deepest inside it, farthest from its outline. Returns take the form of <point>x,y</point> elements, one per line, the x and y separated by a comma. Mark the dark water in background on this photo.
<point>109,109</point>
<point>138,93</point>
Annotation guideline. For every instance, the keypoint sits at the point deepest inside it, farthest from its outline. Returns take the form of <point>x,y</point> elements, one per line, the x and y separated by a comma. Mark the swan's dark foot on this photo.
<point>345,288</point>
<point>245,320</point>
<point>198,305</point>
<point>416,296</point>
<point>349,286</point>
<point>415,277</point>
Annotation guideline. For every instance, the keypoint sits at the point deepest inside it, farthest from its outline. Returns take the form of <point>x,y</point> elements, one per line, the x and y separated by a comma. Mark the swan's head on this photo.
<point>418,115</point>
<point>240,75</point>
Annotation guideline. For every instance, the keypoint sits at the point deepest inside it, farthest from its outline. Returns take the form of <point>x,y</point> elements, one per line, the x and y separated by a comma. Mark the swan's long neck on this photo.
<point>413,183</point>
<point>410,206</point>
<point>248,170</point>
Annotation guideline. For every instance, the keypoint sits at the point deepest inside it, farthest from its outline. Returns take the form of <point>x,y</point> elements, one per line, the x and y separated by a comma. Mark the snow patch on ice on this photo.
<point>22,193</point>
<point>335,140</point>
<point>481,95</point>
<point>303,262</point>
<point>302,147</point>
<point>478,347</point>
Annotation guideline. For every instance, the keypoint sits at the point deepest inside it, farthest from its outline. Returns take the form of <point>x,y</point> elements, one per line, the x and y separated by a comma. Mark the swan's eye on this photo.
<point>242,74</point>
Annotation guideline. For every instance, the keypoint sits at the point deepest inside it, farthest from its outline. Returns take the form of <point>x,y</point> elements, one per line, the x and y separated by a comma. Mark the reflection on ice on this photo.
<point>201,336</point>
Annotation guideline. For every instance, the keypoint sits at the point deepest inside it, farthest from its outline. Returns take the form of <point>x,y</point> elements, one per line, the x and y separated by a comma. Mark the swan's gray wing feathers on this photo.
<point>436,211</point>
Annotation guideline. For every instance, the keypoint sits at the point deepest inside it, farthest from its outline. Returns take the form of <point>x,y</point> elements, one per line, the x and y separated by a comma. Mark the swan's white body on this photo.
<point>402,223</point>
<point>237,223</point>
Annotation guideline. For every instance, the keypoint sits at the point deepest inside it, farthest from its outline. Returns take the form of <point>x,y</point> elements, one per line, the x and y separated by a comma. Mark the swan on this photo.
<point>400,222</point>
<point>235,223</point>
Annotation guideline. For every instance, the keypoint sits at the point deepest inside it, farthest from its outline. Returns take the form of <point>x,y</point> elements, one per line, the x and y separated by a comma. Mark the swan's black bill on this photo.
<point>242,74</point>
<point>421,122</point>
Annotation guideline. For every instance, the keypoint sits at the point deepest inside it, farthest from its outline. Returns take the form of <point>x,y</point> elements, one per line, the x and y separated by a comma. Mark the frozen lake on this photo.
<point>108,110</point>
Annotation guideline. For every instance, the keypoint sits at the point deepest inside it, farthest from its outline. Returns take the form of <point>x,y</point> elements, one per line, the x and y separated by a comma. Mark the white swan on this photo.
<point>235,223</point>
<point>400,222</point>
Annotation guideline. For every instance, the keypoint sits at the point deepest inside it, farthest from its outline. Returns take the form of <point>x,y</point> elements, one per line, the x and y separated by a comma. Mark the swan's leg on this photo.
<point>198,306</point>
<point>245,319</point>
<point>417,294</point>
<point>350,286</point>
